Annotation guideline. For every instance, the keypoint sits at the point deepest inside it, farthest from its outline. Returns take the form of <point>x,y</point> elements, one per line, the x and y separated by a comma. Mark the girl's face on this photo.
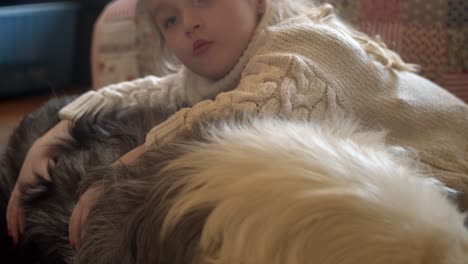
<point>207,36</point>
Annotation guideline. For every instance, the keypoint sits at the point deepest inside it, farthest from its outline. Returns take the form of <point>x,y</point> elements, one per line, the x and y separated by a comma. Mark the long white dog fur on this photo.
<point>292,192</point>
<point>274,192</point>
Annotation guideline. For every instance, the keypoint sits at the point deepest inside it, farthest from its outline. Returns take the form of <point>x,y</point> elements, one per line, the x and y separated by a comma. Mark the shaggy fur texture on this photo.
<point>275,192</point>
<point>250,191</point>
<point>95,142</point>
<point>30,128</point>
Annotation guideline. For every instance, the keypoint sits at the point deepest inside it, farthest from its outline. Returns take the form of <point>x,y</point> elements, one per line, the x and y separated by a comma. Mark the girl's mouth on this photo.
<point>200,47</point>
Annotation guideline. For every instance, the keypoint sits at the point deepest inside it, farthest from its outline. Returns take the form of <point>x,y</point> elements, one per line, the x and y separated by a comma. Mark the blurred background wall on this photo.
<point>45,45</point>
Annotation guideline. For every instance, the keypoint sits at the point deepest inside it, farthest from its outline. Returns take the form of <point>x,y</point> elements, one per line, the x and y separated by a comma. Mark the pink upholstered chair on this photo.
<point>112,51</point>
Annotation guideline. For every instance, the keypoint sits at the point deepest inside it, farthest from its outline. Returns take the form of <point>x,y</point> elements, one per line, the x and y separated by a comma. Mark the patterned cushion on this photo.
<point>431,33</point>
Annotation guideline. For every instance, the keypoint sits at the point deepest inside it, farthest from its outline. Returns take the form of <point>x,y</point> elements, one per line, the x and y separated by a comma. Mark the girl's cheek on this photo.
<point>174,46</point>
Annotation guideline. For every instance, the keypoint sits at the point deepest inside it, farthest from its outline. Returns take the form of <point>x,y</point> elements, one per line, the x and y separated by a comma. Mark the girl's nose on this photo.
<point>191,29</point>
<point>192,23</point>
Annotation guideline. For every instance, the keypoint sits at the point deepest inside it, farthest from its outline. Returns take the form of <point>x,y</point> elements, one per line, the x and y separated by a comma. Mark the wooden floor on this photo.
<point>13,110</point>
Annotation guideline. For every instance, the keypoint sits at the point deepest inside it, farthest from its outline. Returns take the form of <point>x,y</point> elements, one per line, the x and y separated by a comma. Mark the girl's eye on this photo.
<point>169,22</point>
<point>199,2</point>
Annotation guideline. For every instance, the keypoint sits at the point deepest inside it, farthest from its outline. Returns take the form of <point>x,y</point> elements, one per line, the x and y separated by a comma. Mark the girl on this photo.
<point>272,58</point>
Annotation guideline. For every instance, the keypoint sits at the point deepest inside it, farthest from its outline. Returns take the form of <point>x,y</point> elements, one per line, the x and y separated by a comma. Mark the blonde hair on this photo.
<point>155,57</point>
<point>162,61</point>
<point>284,9</point>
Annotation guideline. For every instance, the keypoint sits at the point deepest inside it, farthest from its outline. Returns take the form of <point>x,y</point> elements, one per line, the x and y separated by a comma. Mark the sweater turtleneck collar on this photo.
<point>201,88</point>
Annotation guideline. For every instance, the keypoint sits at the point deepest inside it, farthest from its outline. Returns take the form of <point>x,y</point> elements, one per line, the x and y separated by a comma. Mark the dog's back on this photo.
<point>277,192</point>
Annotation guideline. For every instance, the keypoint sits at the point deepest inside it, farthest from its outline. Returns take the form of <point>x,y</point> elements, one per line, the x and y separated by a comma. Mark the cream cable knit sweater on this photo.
<point>309,67</point>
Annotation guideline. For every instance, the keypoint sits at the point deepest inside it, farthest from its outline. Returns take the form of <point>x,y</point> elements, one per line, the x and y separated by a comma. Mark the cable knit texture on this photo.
<point>310,67</point>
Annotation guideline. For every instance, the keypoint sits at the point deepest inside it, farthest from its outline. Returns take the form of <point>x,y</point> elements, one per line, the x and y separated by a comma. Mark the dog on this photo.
<point>94,142</point>
<point>235,190</point>
<point>275,191</point>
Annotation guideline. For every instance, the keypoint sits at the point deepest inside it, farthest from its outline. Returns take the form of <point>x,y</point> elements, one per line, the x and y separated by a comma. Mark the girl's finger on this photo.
<point>43,169</point>
<point>84,217</point>
<point>70,224</point>
<point>21,220</point>
<point>12,220</point>
<point>73,227</point>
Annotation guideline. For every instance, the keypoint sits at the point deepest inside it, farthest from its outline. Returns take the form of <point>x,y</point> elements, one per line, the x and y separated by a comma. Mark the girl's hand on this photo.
<point>80,214</point>
<point>89,198</point>
<point>35,163</point>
